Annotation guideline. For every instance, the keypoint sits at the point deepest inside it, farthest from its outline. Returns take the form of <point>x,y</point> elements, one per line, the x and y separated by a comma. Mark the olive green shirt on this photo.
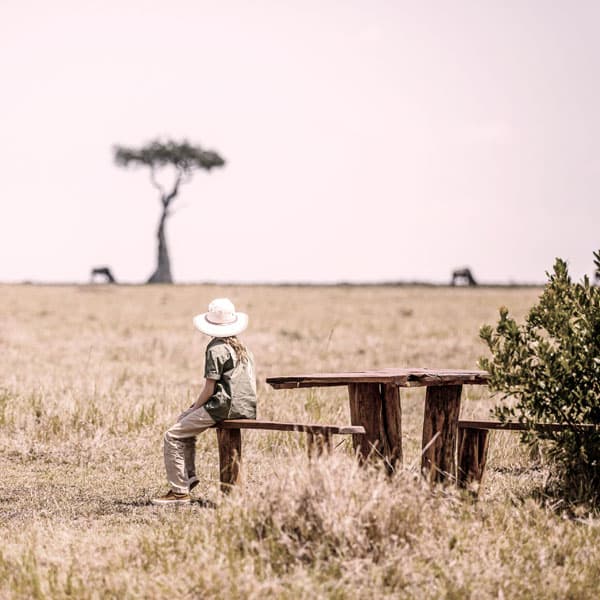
<point>235,389</point>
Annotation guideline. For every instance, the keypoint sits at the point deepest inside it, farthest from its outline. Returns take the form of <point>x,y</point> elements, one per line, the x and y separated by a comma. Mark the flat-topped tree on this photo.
<point>185,159</point>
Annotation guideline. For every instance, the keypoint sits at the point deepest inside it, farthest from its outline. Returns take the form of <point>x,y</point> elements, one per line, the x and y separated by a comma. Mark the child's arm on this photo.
<point>207,391</point>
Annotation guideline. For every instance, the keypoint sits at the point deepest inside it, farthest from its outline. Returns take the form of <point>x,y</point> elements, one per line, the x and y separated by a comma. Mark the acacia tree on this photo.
<point>185,159</point>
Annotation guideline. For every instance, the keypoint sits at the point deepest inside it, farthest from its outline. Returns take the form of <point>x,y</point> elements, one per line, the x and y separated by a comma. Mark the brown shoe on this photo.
<point>172,498</point>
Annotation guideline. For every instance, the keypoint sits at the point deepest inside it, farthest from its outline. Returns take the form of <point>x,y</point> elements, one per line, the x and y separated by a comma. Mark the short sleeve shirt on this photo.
<point>235,389</point>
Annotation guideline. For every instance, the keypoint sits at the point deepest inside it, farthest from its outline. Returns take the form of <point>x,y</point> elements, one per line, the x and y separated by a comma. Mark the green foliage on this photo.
<point>550,365</point>
<point>156,153</point>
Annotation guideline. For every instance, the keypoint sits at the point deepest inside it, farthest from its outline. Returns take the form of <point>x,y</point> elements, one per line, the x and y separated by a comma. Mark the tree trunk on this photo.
<point>162,274</point>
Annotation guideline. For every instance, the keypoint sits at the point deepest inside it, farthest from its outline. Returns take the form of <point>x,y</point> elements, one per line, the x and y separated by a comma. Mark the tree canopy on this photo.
<point>182,155</point>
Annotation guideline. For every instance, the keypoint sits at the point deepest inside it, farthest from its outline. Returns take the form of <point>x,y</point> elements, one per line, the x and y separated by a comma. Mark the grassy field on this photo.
<point>91,376</point>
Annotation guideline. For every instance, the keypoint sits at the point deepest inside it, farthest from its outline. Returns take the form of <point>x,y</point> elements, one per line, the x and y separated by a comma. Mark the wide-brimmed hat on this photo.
<point>221,320</point>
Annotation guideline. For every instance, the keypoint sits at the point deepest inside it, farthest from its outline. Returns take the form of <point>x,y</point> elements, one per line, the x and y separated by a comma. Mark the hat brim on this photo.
<point>202,324</point>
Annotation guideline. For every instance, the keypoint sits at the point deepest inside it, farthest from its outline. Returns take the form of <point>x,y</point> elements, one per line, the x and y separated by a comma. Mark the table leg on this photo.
<point>442,408</point>
<point>392,421</point>
<point>377,408</point>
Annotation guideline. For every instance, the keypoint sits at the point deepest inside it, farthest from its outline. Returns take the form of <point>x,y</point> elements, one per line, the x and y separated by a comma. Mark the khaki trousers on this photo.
<point>180,447</point>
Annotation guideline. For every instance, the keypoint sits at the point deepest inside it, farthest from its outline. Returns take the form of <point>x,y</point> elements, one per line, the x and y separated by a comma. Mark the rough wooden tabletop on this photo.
<point>410,377</point>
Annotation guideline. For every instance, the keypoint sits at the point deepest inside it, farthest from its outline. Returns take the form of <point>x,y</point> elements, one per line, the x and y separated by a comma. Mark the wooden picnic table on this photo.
<point>374,398</point>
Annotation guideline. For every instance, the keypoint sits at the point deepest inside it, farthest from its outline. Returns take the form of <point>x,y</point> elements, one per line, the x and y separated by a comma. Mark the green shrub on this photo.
<point>550,365</point>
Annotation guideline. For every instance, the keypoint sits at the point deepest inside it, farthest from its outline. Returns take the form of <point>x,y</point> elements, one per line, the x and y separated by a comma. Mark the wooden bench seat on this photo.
<point>473,443</point>
<point>229,439</point>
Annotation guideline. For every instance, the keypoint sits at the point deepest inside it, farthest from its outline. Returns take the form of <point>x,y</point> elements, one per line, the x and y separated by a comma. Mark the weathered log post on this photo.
<point>365,408</point>
<point>230,457</point>
<point>377,407</point>
<point>442,408</point>
<point>392,421</point>
<point>472,457</point>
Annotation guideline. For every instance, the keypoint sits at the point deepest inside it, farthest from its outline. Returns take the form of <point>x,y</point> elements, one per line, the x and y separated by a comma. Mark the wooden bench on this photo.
<point>229,439</point>
<point>473,443</point>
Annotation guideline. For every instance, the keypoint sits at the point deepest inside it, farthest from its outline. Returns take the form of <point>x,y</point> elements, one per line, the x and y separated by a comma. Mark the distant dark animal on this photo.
<point>102,272</point>
<point>462,277</point>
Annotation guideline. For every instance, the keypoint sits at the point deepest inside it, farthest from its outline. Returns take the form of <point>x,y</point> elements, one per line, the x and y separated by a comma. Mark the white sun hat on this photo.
<point>221,320</point>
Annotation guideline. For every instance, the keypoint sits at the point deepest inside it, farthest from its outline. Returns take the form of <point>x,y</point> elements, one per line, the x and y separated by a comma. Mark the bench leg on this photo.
<point>230,457</point>
<point>440,421</point>
<point>472,457</point>
<point>318,443</point>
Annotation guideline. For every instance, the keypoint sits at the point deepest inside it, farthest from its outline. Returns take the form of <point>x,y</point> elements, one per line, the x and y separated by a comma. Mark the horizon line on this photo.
<point>258,283</point>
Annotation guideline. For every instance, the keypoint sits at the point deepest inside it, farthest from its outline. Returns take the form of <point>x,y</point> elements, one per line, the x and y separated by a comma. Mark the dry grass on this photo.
<point>91,376</point>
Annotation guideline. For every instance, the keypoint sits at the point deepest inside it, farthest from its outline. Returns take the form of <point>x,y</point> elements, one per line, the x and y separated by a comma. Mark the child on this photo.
<point>229,392</point>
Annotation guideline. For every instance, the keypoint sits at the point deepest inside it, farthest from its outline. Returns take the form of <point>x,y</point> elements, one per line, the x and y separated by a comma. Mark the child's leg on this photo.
<point>189,451</point>
<point>177,439</point>
<point>189,455</point>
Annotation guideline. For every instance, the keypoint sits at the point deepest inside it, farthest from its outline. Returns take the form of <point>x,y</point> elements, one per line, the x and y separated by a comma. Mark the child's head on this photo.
<point>221,320</point>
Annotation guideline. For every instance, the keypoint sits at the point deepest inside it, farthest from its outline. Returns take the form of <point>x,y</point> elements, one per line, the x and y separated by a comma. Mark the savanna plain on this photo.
<point>91,376</point>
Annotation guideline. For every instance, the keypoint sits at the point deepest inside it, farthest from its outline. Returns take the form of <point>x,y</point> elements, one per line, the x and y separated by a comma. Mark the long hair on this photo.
<point>239,348</point>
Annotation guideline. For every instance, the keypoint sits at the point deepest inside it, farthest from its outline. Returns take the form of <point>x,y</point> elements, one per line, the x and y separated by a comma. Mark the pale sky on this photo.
<point>365,140</point>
